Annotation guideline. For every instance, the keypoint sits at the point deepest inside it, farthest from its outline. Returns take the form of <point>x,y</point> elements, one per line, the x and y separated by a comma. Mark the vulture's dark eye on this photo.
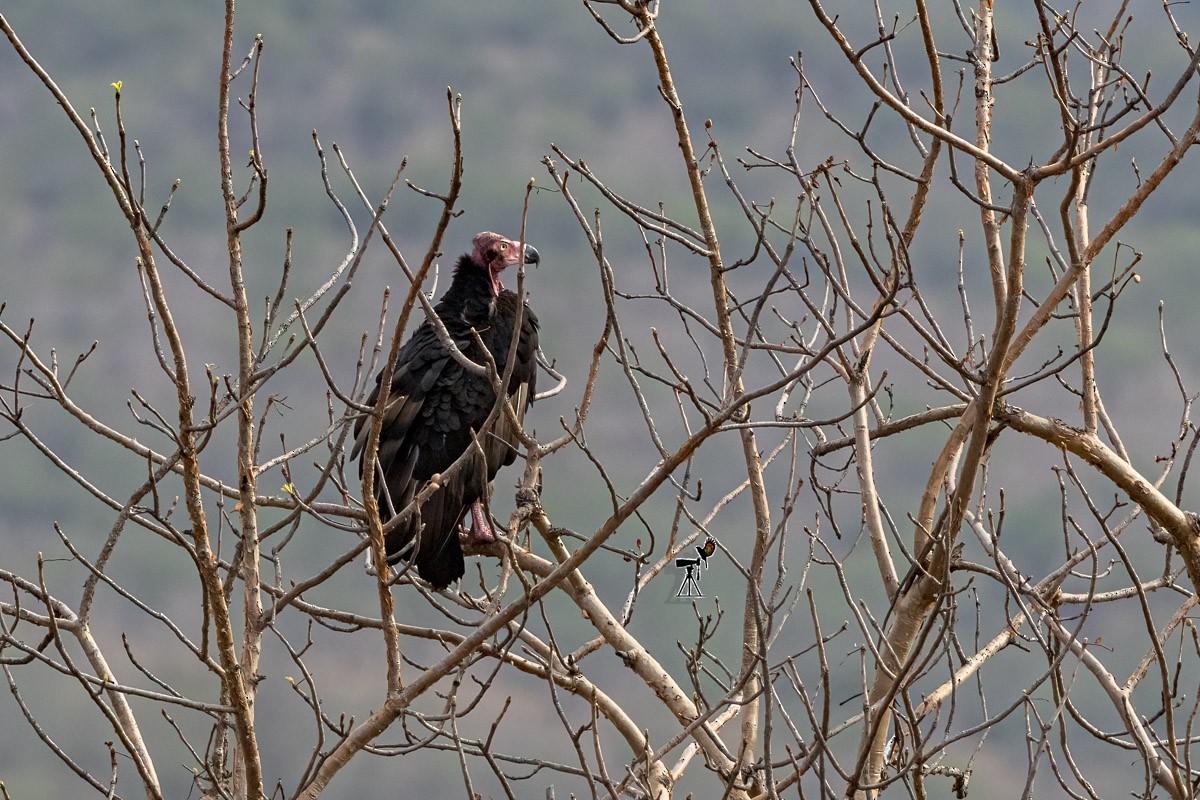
<point>503,246</point>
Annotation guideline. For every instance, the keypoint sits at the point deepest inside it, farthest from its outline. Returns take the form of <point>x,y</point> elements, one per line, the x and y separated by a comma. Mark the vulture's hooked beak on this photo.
<point>531,255</point>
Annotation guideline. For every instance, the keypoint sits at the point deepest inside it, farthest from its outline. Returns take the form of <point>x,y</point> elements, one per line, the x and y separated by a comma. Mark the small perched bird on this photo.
<point>436,406</point>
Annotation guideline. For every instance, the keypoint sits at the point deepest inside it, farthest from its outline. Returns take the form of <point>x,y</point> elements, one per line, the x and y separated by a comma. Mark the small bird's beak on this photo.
<point>531,255</point>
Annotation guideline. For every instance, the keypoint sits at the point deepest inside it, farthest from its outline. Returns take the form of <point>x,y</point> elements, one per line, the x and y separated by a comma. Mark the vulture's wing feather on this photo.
<point>503,439</point>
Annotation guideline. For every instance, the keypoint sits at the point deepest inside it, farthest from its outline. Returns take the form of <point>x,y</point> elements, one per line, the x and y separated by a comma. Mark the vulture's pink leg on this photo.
<point>481,527</point>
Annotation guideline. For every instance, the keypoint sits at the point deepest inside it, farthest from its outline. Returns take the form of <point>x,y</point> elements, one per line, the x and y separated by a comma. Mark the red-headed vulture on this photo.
<point>437,408</point>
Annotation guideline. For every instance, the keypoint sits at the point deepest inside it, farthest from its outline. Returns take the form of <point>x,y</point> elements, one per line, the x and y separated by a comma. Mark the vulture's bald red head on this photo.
<point>496,253</point>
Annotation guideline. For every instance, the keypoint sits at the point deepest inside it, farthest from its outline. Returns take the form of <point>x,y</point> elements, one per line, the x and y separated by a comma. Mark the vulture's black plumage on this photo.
<point>435,405</point>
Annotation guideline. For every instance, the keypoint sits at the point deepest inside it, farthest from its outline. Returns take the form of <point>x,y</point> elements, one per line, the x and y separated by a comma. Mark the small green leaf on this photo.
<point>116,85</point>
<point>289,489</point>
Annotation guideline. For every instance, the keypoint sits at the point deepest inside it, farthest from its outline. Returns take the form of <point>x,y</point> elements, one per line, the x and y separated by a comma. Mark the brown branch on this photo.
<point>732,389</point>
<point>240,674</point>
<point>1183,526</point>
